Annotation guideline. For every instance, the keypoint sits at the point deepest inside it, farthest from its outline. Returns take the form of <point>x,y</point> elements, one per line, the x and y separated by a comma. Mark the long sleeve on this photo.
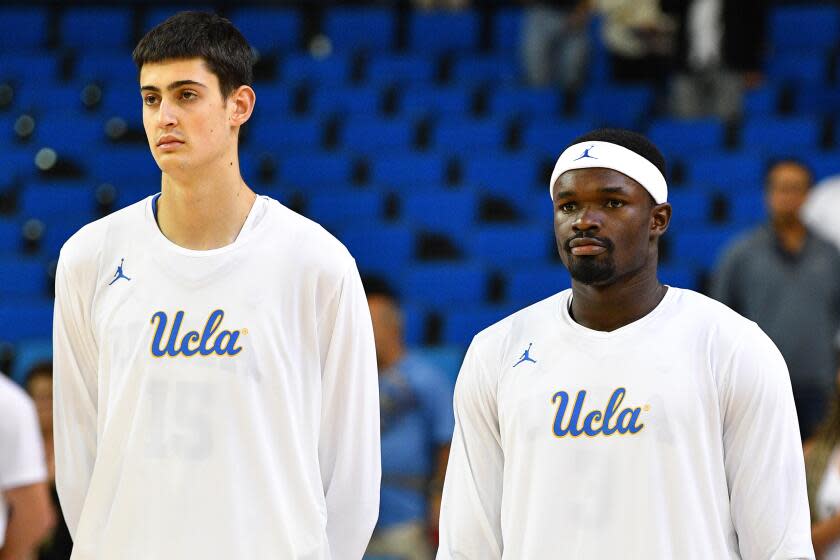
<point>763,454</point>
<point>349,438</point>
<point>75,397</point>
<point>470,520</point>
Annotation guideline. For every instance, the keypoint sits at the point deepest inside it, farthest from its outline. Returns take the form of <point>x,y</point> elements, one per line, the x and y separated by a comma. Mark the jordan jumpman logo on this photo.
<point>119,273</point>
<point>586,154</point>
<point>525,357</point>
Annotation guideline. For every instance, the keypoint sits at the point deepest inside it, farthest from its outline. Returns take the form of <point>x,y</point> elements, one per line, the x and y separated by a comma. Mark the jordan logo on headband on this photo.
<point>586,154</point>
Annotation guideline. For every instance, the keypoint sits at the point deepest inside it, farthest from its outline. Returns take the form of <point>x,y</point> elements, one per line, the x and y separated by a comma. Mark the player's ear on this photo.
<point>660,217</point>
<point>241,103</point>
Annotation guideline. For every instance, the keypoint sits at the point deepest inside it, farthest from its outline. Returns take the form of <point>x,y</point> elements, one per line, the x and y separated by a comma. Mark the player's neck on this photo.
<point>607,308</point>
<point>206,210</point>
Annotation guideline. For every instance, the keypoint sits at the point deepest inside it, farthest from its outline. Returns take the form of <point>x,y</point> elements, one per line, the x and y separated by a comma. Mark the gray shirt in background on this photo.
<point>795,299</point>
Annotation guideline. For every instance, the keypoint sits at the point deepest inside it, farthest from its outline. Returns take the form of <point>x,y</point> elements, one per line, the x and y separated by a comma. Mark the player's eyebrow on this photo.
<point>173,85</point>
<point>564,194</point>
<point>613,190</point>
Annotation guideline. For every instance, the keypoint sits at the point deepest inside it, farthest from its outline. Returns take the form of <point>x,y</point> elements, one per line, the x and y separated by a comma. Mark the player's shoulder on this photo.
<point>711,320</point>
<point>527,318</point>
<point>313,244</point>
<point>84,247</point>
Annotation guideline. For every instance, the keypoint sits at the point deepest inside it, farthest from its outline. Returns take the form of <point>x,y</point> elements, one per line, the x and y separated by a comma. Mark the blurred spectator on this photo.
<point>787,279</point>
<point>640,39</point>
<point>417,423</point>
<point>720,49</point>
<point>555,42</point>
<point>821,209</point>
<point>25,513</point>
<point>39,384</point>
<point>822,470</point>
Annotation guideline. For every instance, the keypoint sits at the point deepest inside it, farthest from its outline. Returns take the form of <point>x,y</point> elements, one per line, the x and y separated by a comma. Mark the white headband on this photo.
<point>611,156</point>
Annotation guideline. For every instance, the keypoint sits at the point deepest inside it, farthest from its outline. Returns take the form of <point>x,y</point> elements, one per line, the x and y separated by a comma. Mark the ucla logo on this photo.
<point>210,341</point>
<point>606,422</point>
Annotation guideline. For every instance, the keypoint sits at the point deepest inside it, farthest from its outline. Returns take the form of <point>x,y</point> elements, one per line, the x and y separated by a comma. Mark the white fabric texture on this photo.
<point>214,404</point>
<point>21,445</point>
<point>693,450</point>
<point>586,155</point>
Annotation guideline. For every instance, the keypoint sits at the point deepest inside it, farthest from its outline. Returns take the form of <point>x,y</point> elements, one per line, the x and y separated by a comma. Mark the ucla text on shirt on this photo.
<point>209,341</point>
<point>596,422</point>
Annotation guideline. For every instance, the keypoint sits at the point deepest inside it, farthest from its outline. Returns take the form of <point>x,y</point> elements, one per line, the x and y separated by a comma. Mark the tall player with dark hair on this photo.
<point>215,373</point>
<point>648,422</point>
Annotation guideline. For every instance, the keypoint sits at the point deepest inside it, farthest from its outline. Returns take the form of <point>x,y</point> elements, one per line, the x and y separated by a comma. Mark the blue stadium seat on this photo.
<point>620,106</point>
<point>401,69</point>
<point>691,207</point>
<point>96,27</point>
<point>511,175</point>
<point>507,30</point>
<point>440,102</point>
<point>464,136</point>
<point>274,100</point>
<point>796,27</point>
<point>356,28</point>
<point>373,136</point>
<point>108,67</point>
<point>129,192</point>
<point>58,232</point>
<point>550,137</point>
<point>747,209</point>
<point>781,135</point>
<point>287,133</point>
<point>441,211</point>
<point>122,99</point>
<point>49,203</point>
<point>345,207</point>
<point>726,171</point>
<point>382,249</point>
<point>490,69</point>
<point>10,235</point>
<point>22,319</point>
<point>678,277</point>
<point>680,136</point>
<point>508,245</point>
<point>823,164</point>
<point>365,100</point>
<point>823,100</point>
<point>316,169</point>
<point>41,96</point>
<point>537,104</point>
<point>17,163</point>
<point>269,29</point>
<point>22,278</point>
<point>118,164</point>
<point>461,325</point>
<point>701,247</point>
<point>527,285</point>
<point>761,101</point>
<point>443,285</point>
<point>809,68</point>
<point>332,70</point>
<point>28,354</point>
<point>447,359</point>
<point>414,324</point>
<point>32,69</point>
<point>60,132</point>
<point>23,28</point>
<point>410,170</point>
<point>443,31</point>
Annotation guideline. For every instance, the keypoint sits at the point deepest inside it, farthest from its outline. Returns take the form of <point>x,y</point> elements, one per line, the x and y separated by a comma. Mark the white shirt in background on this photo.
<point>214,404</point>
<point>674,436</point>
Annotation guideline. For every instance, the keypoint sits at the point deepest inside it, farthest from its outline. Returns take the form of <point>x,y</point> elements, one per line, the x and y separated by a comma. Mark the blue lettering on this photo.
<point>206,343</point>
<point>596,421</point>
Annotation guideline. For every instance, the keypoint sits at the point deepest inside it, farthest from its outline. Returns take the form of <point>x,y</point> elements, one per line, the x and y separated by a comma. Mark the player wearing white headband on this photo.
<point>622,418</point>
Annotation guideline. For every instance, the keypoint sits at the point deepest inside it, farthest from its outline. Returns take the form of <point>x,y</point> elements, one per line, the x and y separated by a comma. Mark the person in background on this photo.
<point>416,422</point>
<point>820,210</point>
<point>39,384</point>
<point>555,43</point>
<point>25,513</point>
<point>822,471</point>
<point>787,279</point>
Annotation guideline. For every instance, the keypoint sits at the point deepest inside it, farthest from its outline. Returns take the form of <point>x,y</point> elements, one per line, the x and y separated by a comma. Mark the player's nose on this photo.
<point>166,115</point>
<point>587,219</point>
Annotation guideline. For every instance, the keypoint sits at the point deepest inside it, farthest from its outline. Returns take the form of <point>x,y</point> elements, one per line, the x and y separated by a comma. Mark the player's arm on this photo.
<point>31,517</point>
<point>470,517</point>
<point>74,396</point>
<point>763,459</point>
<point>348,448</point>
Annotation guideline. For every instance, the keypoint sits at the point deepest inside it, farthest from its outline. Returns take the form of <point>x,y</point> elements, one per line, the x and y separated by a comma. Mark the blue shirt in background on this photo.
<point>417,418</point>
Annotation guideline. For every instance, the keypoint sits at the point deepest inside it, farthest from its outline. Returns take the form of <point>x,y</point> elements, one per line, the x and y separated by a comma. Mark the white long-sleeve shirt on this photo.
<point>214,404</point>
<point>672,437</point>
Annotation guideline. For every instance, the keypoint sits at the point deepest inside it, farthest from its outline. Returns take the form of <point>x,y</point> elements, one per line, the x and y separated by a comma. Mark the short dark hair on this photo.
<point>773,163</point>
<point>200,35</point>
<point>633,141</point>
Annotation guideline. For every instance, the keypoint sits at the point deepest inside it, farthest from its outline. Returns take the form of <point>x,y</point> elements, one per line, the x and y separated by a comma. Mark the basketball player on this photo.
<point>215,374</point>
<point>645,421</point>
